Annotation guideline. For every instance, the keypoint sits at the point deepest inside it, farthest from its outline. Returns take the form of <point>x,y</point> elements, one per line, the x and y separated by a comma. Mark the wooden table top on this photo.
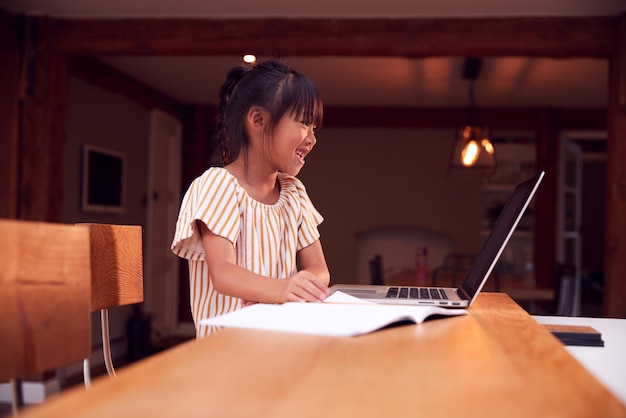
<point>497,361</point>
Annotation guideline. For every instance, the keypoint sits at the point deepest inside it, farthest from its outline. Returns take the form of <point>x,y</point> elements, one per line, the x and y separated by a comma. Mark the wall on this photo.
<point>111,121</point>
<point>367,178</point>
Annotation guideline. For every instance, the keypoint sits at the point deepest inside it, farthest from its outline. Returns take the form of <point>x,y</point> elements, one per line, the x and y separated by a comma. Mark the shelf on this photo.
<point>516,163</point>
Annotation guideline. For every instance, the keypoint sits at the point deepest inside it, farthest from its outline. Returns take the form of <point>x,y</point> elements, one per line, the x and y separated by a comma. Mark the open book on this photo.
<point>339,316</point>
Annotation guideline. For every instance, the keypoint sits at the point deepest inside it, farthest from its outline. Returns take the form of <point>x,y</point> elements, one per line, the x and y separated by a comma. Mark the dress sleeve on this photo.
<point>212,199</point>
<point>308,232</point>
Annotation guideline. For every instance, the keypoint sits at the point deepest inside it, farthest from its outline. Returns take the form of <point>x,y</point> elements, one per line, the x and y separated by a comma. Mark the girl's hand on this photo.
<point>305,287</point>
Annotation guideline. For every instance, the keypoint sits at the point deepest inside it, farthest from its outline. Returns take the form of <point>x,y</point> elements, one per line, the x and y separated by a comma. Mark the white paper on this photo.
<point>329,318</point>
<point>341,297</point>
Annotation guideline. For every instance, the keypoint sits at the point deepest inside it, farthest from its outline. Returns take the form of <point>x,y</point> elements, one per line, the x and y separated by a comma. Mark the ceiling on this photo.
<point>364,81</point>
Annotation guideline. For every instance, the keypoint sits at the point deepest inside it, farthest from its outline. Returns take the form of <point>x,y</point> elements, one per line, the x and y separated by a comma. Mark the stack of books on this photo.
<point>577,335</point>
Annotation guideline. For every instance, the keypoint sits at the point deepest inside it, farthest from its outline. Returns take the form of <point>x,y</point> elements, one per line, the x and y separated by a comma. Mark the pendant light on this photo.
<point>472,146</point>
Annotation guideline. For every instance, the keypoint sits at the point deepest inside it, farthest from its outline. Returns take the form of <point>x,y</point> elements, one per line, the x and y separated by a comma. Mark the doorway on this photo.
<point>164,195</point>
<point>583,233</point>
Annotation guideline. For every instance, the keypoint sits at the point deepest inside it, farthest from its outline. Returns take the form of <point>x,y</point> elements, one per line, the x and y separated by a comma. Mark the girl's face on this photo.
<point>293,139</point>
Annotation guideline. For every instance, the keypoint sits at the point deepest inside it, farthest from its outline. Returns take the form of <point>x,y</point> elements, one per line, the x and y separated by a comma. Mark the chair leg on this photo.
<point>106,342</point>
<point>17,399</point>
<point>87,373</point>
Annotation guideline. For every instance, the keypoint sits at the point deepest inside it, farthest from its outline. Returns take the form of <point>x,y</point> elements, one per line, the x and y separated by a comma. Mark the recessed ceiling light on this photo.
<point>249,59</point>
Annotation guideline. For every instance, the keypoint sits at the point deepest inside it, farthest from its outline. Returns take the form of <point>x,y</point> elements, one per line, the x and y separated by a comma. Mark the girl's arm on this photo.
<point>312,260</point>
<point>230,279</point>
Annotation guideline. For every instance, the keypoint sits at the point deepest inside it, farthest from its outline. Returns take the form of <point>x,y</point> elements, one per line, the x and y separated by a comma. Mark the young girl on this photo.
<point>243,226</point>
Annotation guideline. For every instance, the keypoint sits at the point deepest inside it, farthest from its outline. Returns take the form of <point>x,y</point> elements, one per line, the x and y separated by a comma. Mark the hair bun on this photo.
<point>226,90</point>
<point>232,78</point>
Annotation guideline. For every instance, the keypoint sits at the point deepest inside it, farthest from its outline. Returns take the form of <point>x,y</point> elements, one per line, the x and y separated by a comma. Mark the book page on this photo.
<point>330,318</point>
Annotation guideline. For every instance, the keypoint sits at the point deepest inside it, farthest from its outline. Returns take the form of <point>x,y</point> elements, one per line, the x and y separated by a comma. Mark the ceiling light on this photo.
<point>249,59</point>
<point>472,146</point>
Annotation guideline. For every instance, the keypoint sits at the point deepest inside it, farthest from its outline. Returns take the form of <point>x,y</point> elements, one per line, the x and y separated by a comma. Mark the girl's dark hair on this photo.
<point>271,85</point>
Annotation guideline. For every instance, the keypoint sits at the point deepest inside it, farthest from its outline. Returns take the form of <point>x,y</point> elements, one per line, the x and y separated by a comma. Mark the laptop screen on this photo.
<point>500,233</point>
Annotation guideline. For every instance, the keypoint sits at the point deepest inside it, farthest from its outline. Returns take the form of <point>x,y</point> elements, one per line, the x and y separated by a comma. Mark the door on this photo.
<point>571,206</point>
<point>577,149</point>
<point>164,196</point>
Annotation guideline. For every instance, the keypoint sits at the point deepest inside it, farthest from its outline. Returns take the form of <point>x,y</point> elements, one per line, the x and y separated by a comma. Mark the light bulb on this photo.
<point>487,145</point>
<point>469,154</point>
<point>249,59</point>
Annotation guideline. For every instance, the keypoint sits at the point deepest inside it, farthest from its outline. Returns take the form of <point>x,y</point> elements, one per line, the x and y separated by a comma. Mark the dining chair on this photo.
<point>564,290</point>
<point>45,288</point>
<point>376,270</point>
<point>116,260</point>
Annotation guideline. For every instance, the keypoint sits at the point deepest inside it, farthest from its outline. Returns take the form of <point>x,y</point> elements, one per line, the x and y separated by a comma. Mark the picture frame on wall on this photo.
<point>103,180</point>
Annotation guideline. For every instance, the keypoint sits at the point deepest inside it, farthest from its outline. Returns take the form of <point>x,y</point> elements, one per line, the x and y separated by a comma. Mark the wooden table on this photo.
<point>497,362</point>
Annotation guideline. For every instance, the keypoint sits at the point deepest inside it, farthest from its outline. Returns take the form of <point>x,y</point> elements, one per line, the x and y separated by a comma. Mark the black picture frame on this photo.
<point>103,180</point>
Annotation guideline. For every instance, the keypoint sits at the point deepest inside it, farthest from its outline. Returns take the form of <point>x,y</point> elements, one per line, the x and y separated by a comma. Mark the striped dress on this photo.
<point>265,237</point>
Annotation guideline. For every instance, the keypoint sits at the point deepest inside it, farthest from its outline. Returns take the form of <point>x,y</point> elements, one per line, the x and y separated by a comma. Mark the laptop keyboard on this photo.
<point>416,293</point>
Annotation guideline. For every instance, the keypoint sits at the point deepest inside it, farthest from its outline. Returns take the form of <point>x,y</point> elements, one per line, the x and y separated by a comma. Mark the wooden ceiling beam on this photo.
<point>502,118</point>
<point>556,37</point>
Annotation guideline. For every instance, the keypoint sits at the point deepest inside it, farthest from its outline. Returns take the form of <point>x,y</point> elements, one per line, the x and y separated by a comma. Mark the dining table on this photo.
<point>496,361</point>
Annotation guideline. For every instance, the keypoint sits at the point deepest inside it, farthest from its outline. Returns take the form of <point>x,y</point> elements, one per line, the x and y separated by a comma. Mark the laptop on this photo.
<point>479,272</point>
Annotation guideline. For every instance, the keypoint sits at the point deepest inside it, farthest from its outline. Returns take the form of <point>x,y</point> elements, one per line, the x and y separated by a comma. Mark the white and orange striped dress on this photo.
<point>265,237</point>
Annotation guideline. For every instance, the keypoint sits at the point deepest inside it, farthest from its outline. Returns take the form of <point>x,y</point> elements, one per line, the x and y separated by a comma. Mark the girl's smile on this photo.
<point>293,141</point>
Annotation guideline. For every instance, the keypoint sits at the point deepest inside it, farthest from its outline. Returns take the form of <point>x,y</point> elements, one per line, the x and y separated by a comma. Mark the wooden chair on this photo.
<point>116,276</point>
<point>45,288</point>
<point>376,270</point>
<point>565,290</point>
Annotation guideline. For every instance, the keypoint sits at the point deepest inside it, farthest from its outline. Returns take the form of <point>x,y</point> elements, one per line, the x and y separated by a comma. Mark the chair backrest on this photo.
<point>116,265</point>
<point>45,287</point>
<point>564,289</point>
<point>376,270</point>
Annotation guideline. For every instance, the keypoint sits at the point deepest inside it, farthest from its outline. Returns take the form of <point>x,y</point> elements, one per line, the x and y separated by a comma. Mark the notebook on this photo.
<point>478,273</point>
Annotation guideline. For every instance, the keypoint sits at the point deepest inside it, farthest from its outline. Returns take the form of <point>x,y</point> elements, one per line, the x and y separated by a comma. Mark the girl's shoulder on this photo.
<point>292,188</point>
<point>215,173</point>
<point>215,177</point>
<point>290,183</point>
